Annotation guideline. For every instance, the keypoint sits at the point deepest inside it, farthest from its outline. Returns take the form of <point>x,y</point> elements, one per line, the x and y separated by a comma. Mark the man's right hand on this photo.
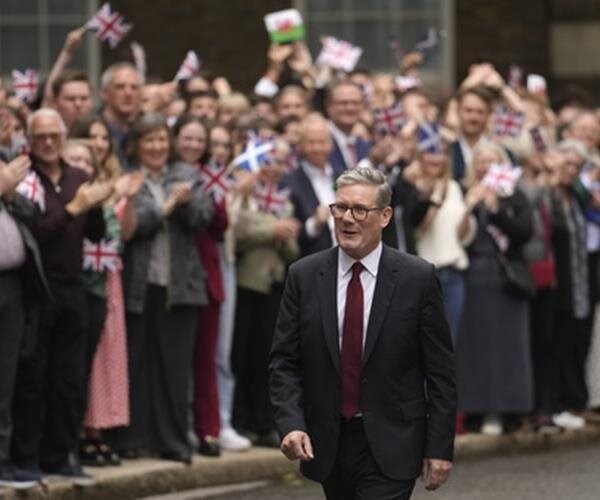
<point>296,445</point>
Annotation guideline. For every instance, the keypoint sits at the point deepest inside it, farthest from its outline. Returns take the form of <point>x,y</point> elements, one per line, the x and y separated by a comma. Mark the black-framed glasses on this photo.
<point>359,213</point>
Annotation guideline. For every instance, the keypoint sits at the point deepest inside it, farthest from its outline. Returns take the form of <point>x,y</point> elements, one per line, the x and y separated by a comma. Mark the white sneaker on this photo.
<point>567,420</point>
<point>232,441</point>
<point>491,426</point>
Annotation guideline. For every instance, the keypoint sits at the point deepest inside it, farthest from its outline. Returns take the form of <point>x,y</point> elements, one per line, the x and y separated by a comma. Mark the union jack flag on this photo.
<point>430,140</point>
<point>339,54</point>
<point>216,180</point>
<point>25,84</point>
<point>508,122</point>
<point>389,120</point>
<point>255,154</point>
<point>102,256</point>
<point>502,178</point>
<point>189,67</point>
<point>271,199</point>
<point>109,25</point>
<point>32,189</point>
<point>407,82</point>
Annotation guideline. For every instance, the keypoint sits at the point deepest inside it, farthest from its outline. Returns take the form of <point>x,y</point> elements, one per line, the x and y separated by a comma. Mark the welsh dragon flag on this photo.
<point>285,26</point>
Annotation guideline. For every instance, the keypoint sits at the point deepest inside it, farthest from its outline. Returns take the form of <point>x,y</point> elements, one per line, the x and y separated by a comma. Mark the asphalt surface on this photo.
<point>567,473</point>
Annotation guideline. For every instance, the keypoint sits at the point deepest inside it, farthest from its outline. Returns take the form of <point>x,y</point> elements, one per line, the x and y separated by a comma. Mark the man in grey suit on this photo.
<point>361,368</point>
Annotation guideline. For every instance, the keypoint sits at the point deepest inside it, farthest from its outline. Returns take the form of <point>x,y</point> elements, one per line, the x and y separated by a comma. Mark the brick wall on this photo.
<point>229,35</point>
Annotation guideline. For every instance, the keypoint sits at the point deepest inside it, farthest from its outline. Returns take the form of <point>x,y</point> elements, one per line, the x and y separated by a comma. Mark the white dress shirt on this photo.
<point>368,278</point>
<point>322,182</point>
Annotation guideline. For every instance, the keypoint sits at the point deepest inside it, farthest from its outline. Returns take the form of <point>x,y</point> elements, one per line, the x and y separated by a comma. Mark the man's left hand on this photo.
<point>435,472</point>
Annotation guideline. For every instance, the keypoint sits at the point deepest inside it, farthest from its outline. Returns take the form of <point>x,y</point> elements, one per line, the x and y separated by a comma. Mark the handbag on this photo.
<point>519,280</point>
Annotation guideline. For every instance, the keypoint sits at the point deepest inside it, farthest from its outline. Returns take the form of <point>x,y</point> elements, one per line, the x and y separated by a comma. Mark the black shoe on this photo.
<point>177,457</point>
<point>111,457</point>
<point>90,455</point>
<point>268,439</point>
<point>13,479</point>
<point>73,473</point>
<point>209,447</point>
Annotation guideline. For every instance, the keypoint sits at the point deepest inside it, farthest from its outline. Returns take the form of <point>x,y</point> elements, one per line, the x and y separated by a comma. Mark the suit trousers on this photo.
<point>255,318</point>
<point>12,324</point>
<point>355,474</point>
<point>160,344</point>
<point>205,371</point>
<point>50,380</point>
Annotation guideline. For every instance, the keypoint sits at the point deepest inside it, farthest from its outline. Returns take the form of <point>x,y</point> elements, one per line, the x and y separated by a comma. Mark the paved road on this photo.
<point>565,474</point>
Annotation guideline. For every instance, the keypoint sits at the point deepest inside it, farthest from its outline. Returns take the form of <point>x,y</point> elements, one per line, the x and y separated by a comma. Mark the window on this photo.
<point>32,33</point>
<point>371,25</point>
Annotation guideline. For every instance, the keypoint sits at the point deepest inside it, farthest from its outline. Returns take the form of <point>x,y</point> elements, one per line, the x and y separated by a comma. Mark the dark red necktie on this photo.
<point>353,153</point>
<point>352,342</point>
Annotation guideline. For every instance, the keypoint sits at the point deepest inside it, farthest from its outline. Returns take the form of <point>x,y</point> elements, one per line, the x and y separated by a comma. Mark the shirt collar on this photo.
<point>339,135</point>
<point>370,261</point>
<point>313,171</point>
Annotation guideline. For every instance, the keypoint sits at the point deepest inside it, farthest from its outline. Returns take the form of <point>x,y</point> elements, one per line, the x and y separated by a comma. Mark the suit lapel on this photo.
<point>327,290</point>
<point>384,289</point>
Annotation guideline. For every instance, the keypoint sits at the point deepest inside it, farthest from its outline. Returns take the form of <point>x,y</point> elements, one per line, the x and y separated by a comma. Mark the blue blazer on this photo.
<point>337,158</point>
<point>305,201</point>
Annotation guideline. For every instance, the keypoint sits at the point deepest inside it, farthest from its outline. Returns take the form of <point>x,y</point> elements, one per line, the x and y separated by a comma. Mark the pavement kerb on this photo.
<point>139,478</point>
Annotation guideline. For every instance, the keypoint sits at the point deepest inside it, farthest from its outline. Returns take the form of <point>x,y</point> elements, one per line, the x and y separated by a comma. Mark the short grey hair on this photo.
<point>46,113</point>
<point>109,72</point>
<point>368,176</point>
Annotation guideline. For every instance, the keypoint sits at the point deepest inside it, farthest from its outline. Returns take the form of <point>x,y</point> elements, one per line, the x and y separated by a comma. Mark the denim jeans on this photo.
<point>225,378</point>
<point>452,282</point>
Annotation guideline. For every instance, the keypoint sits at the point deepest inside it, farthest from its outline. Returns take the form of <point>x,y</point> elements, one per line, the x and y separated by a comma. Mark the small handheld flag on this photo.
<point>389,120</point>
<point>508,122</point>
<point>255,154</point>
<point>285,26</point>
<point>339,54</point>
<point>216,180</point>
<point>271,199</point>
<point>189,67</point>
<point>430,140</point>
<point>109,25</point>
<point>25,84</point>
<point>536,84</point>
<point>502,178</point>
<point>515,76</point>
<point>101,256</point>
<point>139,57</point>
<point>31,188</point>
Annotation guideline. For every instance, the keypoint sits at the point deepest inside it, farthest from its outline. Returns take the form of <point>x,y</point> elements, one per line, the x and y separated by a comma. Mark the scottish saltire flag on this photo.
<point>25,84</point>
<point>271,199</point>
<point>389,120</point>
<point>189,67</point>
<point>109,25</point>
<point>339,54</point>
<point>32,189</point>
<point>139,57</point>
<point>101,256</point>
<point>216,180</point>
<point>502,178</point>
<point>508,122</point>
<point>256,154</point>
<point>430,140</point>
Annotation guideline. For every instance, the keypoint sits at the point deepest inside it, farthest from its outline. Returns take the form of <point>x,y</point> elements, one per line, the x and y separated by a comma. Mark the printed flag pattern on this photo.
<point>389,120</point>
<point>25,84</point>
<point>271,199</point>
<point>430,140</point>
<point>508,122</point>
<point>216,180</point>
<point>102,256</point>
<point>109,25</point>
<point>189,67</point>
<point>32,189</point>
<point>339,54</point>
<point>502,178</point>
<point>256,154</point>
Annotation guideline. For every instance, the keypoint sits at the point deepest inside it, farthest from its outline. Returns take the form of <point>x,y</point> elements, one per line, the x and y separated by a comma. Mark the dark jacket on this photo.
<point>408,394</point>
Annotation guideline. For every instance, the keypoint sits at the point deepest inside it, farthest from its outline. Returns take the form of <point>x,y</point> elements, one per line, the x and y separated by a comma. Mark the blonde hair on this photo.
<point>499,151</point>
<point>236,101</point>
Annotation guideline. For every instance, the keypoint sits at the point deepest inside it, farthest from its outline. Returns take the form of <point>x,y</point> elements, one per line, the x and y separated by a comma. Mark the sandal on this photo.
<point>90,455</point>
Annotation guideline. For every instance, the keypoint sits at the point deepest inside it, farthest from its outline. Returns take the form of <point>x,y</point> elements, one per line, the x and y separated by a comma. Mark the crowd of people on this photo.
<point>141,269</point>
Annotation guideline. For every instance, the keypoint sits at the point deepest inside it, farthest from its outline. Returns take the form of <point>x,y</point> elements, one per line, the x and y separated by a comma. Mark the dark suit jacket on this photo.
<point>337,158</point>
<point>407,347</point>
<point>304,199</point>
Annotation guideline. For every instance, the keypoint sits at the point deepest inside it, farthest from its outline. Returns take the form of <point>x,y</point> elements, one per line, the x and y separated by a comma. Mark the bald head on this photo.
<point>315,140</point>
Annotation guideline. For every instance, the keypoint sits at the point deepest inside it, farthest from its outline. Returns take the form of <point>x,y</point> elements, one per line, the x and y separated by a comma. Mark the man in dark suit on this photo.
<point>362,374</point>
<point>344,104</point>
<point>311,186</point>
